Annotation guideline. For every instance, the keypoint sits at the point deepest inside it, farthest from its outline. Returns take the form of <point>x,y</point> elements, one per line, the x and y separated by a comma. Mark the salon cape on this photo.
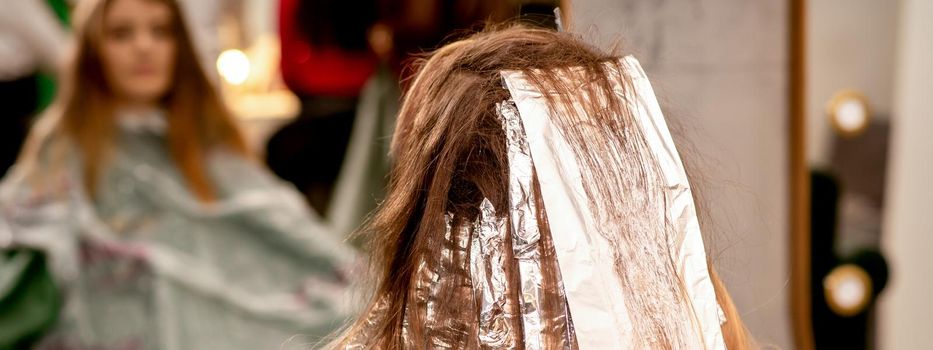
<point>147,266</point>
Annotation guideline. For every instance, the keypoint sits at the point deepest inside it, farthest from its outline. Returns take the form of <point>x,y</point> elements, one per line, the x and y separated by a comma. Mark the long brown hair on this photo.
<point>83,113</point>
<point>450,153</point>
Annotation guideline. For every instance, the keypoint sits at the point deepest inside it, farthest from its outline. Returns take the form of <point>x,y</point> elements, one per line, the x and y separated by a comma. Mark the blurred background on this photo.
<point>809,122</point>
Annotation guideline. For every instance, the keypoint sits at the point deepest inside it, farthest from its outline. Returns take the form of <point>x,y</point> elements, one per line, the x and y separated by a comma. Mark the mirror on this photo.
<point>843,58</point>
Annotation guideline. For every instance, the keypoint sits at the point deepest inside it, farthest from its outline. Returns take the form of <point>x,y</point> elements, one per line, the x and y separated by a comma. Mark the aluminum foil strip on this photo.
<point>490,283</point>
<point>594,294</point>
<point>564,323</point>
<point>430,284</point>
<point>360,341</point>
<point>690,258</point>
<point>526,236</point>
<point>425,281</point>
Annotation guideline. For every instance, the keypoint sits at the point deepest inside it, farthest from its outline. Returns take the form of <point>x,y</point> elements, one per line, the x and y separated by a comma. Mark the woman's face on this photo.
<point>138,49</point>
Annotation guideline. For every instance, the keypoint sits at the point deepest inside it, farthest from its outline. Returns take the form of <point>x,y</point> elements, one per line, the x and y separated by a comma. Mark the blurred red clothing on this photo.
<point>319,70</point>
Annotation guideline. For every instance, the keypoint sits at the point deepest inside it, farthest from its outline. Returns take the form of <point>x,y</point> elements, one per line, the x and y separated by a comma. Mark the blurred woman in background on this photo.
<point>160,228</point>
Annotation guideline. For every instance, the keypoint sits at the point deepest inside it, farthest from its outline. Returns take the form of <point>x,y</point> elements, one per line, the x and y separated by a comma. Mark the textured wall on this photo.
<point>906,306</point>
<point>720,69</point>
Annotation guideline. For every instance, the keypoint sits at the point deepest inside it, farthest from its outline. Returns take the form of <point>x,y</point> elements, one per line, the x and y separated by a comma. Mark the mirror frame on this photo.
<point>800,306</point>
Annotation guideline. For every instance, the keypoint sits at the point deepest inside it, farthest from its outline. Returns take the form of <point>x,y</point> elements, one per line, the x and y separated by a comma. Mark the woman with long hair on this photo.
<point>537,201</point>
<point>162,230</point>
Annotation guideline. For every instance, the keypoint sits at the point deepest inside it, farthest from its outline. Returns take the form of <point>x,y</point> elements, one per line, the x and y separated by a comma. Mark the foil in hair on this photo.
<point>524,225</point>
<point>619,211</point>
<point>488,261</point>
<point>432,279</point>
<point>526,235</point>
<point>599,247</point>
<point>360,340</point>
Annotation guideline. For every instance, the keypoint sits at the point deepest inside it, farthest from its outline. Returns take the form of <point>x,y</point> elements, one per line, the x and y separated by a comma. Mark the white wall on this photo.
<point>721,67</point>
<point>907,306</point>
<point>850,45</point>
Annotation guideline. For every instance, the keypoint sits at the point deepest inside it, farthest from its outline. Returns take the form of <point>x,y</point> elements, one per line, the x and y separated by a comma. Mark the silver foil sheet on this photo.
<point>433,278</point>
<point>488,261</point>
<point>604,182</point>
<point>526,235</point>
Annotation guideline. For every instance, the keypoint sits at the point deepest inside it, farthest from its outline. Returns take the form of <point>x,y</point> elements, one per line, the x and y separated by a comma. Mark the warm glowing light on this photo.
<point>849,113</point>
<point>233,66</point>
<point>848,290</point>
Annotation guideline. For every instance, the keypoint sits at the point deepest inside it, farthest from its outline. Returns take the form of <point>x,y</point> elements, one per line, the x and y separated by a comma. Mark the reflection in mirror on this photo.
<point>848,113</point>
<point>848,290</point>
<point>849,60</point>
